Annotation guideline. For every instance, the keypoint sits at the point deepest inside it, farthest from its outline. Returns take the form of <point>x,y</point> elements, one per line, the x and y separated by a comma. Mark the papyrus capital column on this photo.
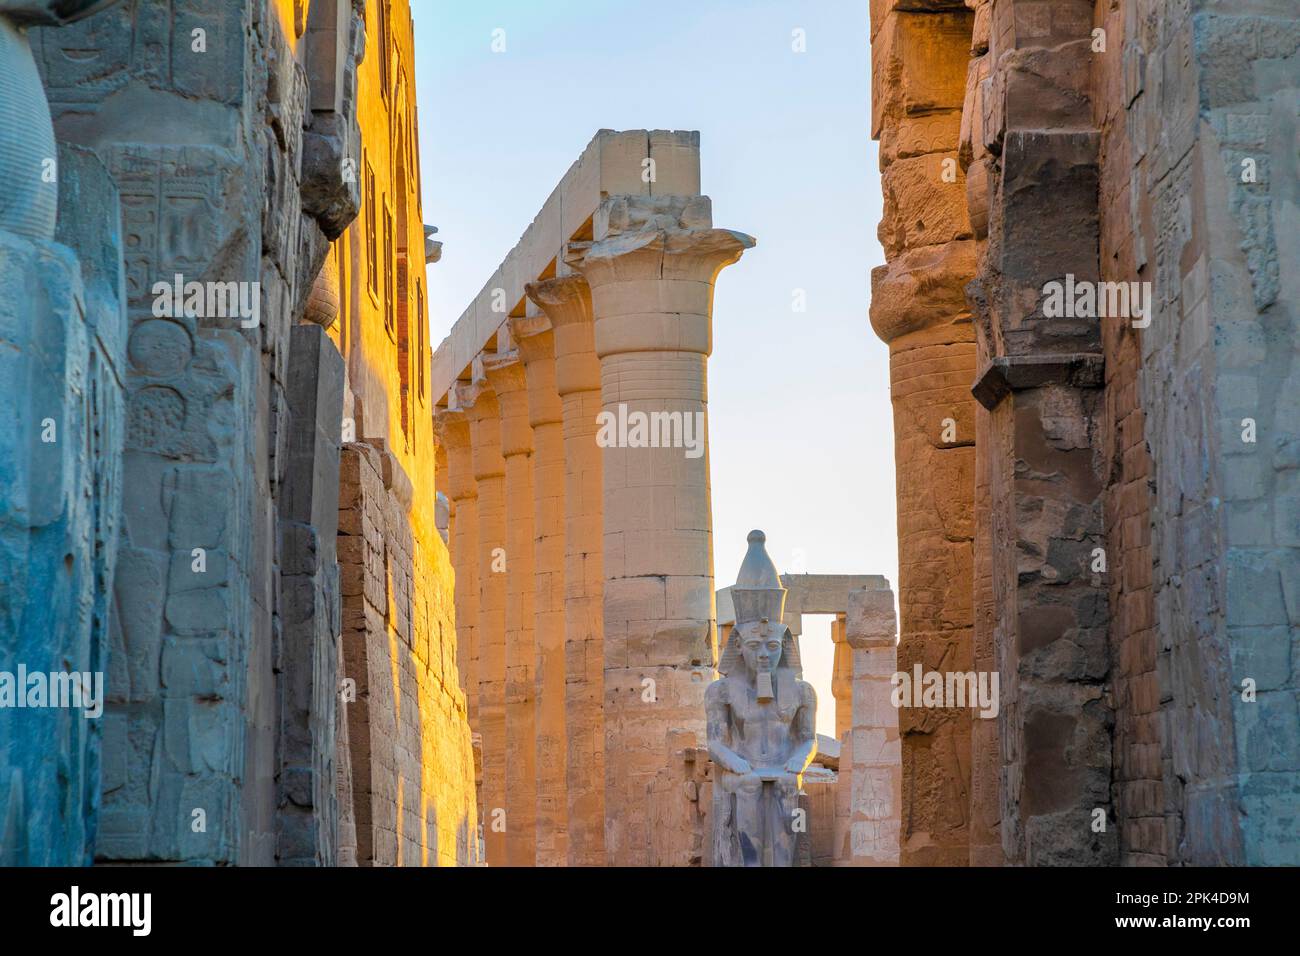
<point>919,307</point>
<point>566,301</point>
<point>505,372</point>
<point>651,269</point>
<point>479,401</point>
<point>535,341</point>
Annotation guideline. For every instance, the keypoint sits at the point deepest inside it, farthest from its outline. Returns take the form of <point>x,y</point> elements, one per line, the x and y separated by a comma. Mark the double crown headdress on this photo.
<point>758,595</point>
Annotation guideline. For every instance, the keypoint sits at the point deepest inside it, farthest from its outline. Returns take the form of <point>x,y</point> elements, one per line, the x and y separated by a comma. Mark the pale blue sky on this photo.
<point>800,427</point>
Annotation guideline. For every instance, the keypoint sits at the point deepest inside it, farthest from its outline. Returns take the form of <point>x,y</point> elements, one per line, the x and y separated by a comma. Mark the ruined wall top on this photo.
<point>631,162</point>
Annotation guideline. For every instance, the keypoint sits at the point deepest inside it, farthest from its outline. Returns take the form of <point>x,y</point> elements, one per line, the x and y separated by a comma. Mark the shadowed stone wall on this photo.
<point>62,339</point>
<point>1135,553</point>
<point>1199,198</point>
<point>229,166</point>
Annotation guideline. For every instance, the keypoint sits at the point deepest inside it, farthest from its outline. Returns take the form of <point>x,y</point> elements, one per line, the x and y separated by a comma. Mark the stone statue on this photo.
<point>761,726</point>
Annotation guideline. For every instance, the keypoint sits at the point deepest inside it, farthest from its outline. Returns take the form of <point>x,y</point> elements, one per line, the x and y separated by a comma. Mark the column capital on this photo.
<point>479,401</point>
<point>566,302</point>
<point>505,372</point>
<point>534,337</point>
<point>451,428</point>
<point>656,237</point>
<point>651,269</point>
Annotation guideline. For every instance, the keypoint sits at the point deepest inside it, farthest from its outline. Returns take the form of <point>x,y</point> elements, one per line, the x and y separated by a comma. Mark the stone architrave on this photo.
<point>651,269</point>
<point>761,724</point>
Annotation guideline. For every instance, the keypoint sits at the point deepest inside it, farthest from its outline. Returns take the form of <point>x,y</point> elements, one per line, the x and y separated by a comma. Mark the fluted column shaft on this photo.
<point>505,372</point>
<point>536,344</point>
<point>651,271</point>
<point>489,467</point>
<point>566,300</point>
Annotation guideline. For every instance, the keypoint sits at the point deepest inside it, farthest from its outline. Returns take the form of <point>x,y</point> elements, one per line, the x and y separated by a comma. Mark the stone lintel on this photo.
<point>1004,375</point>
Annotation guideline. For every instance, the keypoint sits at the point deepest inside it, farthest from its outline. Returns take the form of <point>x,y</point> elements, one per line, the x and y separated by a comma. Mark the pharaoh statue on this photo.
<point>760,724</point>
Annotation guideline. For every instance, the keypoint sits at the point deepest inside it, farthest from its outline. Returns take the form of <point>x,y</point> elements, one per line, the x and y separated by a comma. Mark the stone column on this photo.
<point>453,430</point>
<point>876,810</point>
<point>505,373</point>
<point>566,300</point>
<point>1042,385</point>
<point>842,679</point>
<point>535,340</point>
<point>651,269</point>
<point>918,306</point>
<point>489,468</point>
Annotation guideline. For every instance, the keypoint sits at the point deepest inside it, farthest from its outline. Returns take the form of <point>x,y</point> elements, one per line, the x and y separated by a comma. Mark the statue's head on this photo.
<point>756,647</point>
<point>760,645</point>
<point>760,637</point>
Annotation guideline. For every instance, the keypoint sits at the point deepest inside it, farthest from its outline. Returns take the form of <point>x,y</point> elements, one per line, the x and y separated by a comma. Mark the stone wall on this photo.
<point>679,801</point>
<point>407,730</point>
<point>1198,198</point>
<point>307,664</point>
<point>411,796</point>
<point>62,342</point>
<point>224,129</point>
<point>1134,543</point>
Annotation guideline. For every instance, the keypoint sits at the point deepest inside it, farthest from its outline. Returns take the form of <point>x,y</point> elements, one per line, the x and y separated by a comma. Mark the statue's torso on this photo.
<point>761,731</point>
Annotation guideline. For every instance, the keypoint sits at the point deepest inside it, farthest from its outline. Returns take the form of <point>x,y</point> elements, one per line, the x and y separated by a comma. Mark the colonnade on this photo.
<point>581,537</point>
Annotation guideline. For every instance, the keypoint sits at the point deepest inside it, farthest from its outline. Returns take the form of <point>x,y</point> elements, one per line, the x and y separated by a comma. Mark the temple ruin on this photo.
<point>283,584</point>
